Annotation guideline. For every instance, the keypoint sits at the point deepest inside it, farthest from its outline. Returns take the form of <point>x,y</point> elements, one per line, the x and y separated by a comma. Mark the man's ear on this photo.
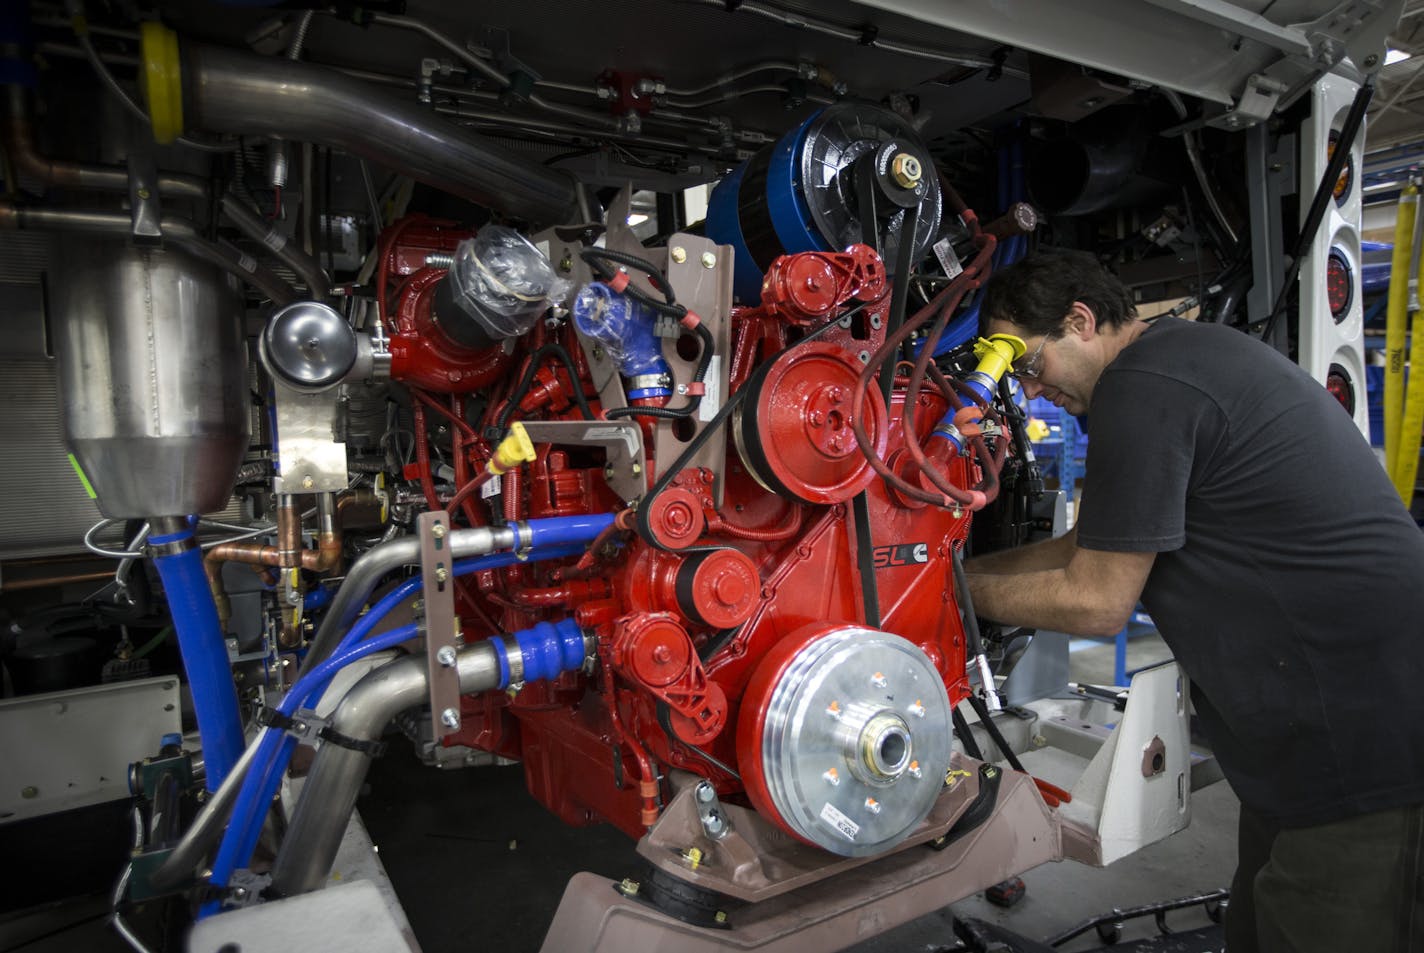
<point>1081,322</point>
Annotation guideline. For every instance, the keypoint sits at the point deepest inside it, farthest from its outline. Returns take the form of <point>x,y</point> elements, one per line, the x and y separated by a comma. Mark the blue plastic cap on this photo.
<point>172,738</point>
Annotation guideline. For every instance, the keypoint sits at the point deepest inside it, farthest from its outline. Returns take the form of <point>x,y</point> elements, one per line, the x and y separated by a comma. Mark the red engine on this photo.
<point>775,605</point>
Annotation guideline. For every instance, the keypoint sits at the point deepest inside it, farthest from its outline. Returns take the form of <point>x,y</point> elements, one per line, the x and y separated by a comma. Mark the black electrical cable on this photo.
<point>966,734</point>
<point>982,710</point>
<point>598,256</point>
<point>699,376</point>
<point>1324,194</point>
<point>559,353</point>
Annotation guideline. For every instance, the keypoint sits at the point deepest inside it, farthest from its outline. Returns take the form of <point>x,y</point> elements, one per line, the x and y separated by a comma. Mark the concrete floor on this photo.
<point>479,865</point>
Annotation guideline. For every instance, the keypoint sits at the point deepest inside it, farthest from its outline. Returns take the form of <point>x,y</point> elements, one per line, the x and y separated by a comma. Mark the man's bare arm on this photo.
<point>1049,554</point>
<point>1094,594</point>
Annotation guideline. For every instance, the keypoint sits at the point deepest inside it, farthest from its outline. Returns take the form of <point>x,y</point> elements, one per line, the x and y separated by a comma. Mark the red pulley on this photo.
<point>654,650</point>
<point>719,588</point>
<point>794,433</point>
<point>675,518</point>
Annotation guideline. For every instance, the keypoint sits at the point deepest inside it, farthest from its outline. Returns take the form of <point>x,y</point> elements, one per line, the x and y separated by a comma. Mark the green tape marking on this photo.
<point>79,471</point>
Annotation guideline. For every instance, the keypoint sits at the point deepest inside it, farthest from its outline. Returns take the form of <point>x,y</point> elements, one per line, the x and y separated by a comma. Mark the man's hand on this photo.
<point>1094,593</point>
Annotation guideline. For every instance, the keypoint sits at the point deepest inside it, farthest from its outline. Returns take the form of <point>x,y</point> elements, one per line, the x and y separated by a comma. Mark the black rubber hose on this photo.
<point>966,734</point>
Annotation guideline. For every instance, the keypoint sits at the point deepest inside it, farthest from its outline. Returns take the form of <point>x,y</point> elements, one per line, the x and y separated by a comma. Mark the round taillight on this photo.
<point>1339,285</point>
<point>1338,383</point>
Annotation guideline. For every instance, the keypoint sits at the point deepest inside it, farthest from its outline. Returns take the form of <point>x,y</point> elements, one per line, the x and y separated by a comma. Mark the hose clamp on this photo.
<point>514,658</point>
<point>523,539</point>
<point>171,544</point>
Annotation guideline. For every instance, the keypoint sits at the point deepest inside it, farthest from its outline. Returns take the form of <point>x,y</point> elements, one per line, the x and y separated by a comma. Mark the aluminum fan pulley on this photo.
<point>844,737</point>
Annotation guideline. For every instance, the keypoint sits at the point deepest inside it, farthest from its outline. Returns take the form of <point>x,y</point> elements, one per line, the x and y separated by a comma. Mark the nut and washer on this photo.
<point>438,531</point>
<point>906,171</point>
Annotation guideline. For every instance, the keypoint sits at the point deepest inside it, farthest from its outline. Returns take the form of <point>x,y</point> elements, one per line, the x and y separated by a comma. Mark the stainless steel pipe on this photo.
<point>327,799</point>
<point>361,580</point>
<point>235,92</point>
<point>176,230</point>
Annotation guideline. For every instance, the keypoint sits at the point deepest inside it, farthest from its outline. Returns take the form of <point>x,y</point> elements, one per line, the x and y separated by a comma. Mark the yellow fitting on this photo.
<point>997,354</point>
<point>162,80</point>
<point>513,450</point>
<point>906,170</point>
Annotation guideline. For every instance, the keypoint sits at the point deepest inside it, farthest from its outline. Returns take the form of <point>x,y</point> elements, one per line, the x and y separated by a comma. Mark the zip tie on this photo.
<point>690,320</point>
<point>619,282</point>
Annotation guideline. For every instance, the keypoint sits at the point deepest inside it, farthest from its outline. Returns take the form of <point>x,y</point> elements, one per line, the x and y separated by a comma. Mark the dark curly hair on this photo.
<point>1037,293</point>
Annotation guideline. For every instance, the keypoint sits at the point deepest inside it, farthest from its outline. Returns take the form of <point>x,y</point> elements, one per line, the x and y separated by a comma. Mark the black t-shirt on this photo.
<point>1289,580</point>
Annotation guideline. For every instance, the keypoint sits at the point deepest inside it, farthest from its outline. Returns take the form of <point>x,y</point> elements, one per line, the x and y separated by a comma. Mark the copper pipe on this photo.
<point>289,532</point>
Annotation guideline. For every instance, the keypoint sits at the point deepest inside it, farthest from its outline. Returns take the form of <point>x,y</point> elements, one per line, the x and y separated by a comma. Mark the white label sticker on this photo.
<point>832,816</point>
<point>948,260</point>
<point>712,397</point>
<point>491,488</point>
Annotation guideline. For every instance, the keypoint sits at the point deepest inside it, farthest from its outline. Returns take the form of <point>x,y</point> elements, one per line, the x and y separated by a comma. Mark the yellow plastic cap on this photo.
<point>513,450</point>
<point>997,353</point>
<point>162,80</point>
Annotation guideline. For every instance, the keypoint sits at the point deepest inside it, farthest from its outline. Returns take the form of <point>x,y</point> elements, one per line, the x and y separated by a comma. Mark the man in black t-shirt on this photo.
<point>1229,493</point>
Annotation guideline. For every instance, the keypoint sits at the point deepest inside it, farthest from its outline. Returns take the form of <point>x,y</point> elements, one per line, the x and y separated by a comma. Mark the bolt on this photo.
<point>239,892</point>
<point>878,680</point>
<point>706,793</point>
<point>864,357</point>
<point>566,264</point>
<point>713,824</point>
<point>446,656</point>
<point>679,254</point>
<point>815,418</point>
<point>450,718</point>
<point>837,444</point>
<point>709,260</point>
<point>629,887</point>
<point>30,792</point>
<point>438,531</point>
<point>308,483</point>
<point>662,655</point>
<point>637,469</point>
<point>905,170</point>
<point>1370,61</point>
<point>143,193</point>
<point>608,471</point>
<point>872,805</point>
<point>441,574</point>
<point>720,916</point>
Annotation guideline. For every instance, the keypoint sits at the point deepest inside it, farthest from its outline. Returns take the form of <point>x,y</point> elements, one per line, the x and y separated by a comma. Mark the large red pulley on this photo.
<point>794,433</point>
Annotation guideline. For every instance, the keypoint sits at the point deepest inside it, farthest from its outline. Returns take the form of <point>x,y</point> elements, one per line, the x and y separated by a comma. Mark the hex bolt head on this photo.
<point>438,531</point>
<point>679,254</point>
<point>709,260</point>
<point>446,656</point>
<point>906,171</point>
<point>713,823</point>
<point>441,574</point>
<point>706,793</point>
<point>308,483</point>
<point>450,718</point>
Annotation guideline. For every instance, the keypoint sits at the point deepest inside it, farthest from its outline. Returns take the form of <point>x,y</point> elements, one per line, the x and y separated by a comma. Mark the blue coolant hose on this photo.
<point>204,651</point>
<point>275,747</point>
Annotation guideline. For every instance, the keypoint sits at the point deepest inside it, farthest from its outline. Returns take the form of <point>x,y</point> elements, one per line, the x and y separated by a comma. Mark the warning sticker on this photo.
<point>832,816</point>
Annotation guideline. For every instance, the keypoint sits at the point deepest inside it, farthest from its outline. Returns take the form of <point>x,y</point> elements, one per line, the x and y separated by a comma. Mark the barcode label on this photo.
<point>832,816</point>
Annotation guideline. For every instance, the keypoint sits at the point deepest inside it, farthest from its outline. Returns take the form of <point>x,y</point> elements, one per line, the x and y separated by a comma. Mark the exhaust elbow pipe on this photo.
<point>231,91</point>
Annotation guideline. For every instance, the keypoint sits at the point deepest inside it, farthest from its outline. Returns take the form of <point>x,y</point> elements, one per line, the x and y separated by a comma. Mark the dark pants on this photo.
<point>1352,885</point>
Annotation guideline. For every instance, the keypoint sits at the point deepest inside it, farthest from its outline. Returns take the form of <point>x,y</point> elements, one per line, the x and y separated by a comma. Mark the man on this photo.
<point>1228,492</point>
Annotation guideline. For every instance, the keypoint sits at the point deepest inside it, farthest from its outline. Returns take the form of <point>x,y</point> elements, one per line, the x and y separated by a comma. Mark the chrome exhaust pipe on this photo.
<point>234,92</point>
